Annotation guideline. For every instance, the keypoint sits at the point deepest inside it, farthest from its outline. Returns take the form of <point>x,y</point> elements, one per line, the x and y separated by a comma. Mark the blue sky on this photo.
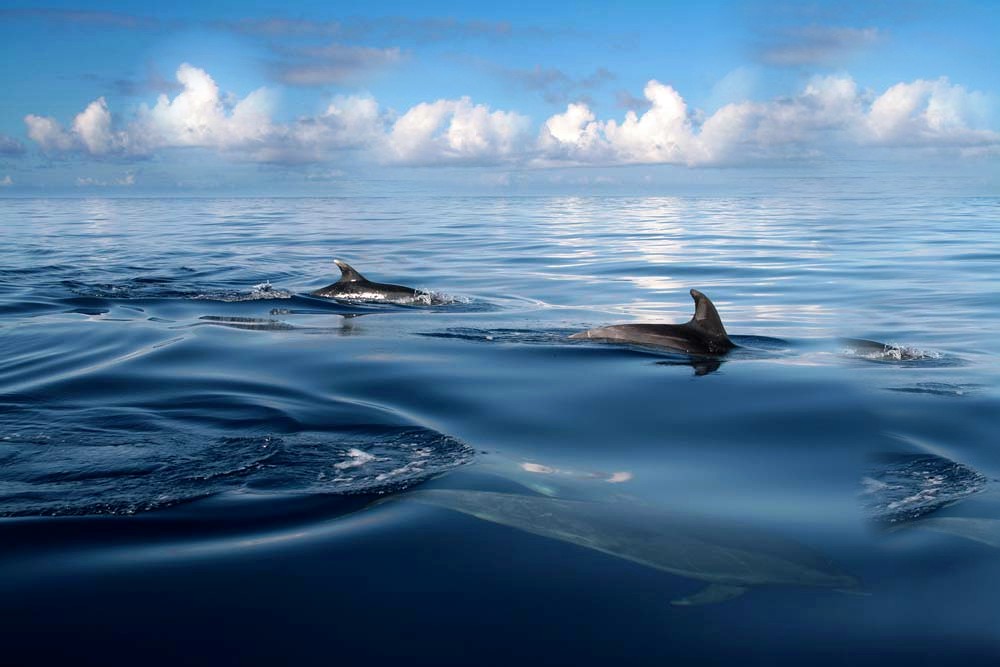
<point>337,98</point>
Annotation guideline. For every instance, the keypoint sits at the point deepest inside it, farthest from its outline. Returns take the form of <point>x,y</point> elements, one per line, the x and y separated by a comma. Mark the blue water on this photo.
<point>199,462</point>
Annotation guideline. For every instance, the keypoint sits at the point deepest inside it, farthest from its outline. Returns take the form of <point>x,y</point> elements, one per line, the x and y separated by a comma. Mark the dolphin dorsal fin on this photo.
<point>348,274</point>
<point>706,317</point>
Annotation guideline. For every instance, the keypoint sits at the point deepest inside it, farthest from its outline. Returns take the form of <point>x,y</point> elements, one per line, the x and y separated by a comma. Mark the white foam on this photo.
<point>357,458</point>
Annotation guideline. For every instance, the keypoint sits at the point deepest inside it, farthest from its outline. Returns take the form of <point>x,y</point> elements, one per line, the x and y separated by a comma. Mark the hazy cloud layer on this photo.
<point>816,45</point>
<point>333,63</point>
<point>10,147</point>
<point>84,17</point>
<point>830,114</point>
<point>429,29</point>
<point>555,85</point>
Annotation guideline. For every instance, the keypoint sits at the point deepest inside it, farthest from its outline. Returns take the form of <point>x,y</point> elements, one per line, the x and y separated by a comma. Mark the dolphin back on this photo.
<point>353,285</point>
<point>702,334</point>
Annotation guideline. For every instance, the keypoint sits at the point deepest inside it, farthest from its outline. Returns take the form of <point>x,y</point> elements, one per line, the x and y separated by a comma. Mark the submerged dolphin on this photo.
<point>728,557</point>
<point>355,287</point>
<point>704,334</point>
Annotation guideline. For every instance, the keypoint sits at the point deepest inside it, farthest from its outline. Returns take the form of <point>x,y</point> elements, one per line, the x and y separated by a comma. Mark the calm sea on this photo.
<point>201,463</point>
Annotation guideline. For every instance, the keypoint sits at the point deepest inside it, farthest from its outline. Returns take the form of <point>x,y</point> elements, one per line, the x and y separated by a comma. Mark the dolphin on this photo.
<point>728,557</point>
<point>703,334</point>
<point>353,286</point>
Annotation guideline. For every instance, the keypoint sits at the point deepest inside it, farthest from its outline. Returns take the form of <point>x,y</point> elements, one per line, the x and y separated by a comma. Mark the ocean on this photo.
<point>202,463</point>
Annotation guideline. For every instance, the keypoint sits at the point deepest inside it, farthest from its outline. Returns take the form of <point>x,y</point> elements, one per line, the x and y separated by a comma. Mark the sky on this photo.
<point>320,98</point>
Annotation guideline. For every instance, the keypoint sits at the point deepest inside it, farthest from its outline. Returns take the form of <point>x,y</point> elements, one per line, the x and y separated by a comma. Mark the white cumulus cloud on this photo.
<point>455,131</point>
<point>829,115</point>
<point>200,116</point>
<point>830,111</point>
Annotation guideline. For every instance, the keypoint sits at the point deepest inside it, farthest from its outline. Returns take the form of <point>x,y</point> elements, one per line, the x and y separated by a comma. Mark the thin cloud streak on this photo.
<point>816,45</point>
<point>333,63</point>
<point>554,85</point>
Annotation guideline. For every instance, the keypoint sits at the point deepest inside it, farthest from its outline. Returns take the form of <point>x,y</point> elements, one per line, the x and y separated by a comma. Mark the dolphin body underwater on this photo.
<point>704,334</point>
<point>728,557</point>
<point>355,287</point>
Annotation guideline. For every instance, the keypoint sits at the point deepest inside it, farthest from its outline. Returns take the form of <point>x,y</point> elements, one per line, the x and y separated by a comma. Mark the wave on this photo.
<point>906,487</point>
<point>168,288</point>
<point>525,336</point>
<point>99,472</point>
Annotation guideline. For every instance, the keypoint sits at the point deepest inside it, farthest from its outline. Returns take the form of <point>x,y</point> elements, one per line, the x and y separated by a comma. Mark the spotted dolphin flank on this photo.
<point>728,557</point>
<point>703,334</point>
<point>355,287</point>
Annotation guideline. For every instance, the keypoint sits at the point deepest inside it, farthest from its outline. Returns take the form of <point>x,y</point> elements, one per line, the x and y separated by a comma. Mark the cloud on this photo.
<point>10,147</point>
<point>913,114</point>
<point>392,28</point>
<point>430,29</point>
<point>816,45</point>
<point>280,27</point>
<point>430,133</point>
<point>197,117</point>
<point>128,180</point>
<point>151,82</point>
<point>829,112</point>
<point>555,85</point>
<point>829,115</point>
<point>334,63</point>
<point>626,100</point>
<point>84,17</point>
<point>450,131</point>
<point>48,134</point>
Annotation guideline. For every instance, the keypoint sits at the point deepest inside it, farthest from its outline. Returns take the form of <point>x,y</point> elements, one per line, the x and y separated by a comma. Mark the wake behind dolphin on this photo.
<point>703,334</point>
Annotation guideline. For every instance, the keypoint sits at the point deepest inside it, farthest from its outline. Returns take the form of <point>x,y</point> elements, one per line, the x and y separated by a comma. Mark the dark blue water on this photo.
<point>201,463</point>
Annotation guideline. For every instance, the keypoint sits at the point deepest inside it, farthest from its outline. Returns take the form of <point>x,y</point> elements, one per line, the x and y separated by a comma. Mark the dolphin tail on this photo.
<point>347,273</point>
<point>706,317</point>
<point>711,594</point>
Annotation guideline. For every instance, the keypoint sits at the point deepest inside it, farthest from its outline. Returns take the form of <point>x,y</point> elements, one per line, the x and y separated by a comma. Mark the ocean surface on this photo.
<point>200,463</point>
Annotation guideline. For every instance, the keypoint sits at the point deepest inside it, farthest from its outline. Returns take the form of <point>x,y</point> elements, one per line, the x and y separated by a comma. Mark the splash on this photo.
<point>887,352</point>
